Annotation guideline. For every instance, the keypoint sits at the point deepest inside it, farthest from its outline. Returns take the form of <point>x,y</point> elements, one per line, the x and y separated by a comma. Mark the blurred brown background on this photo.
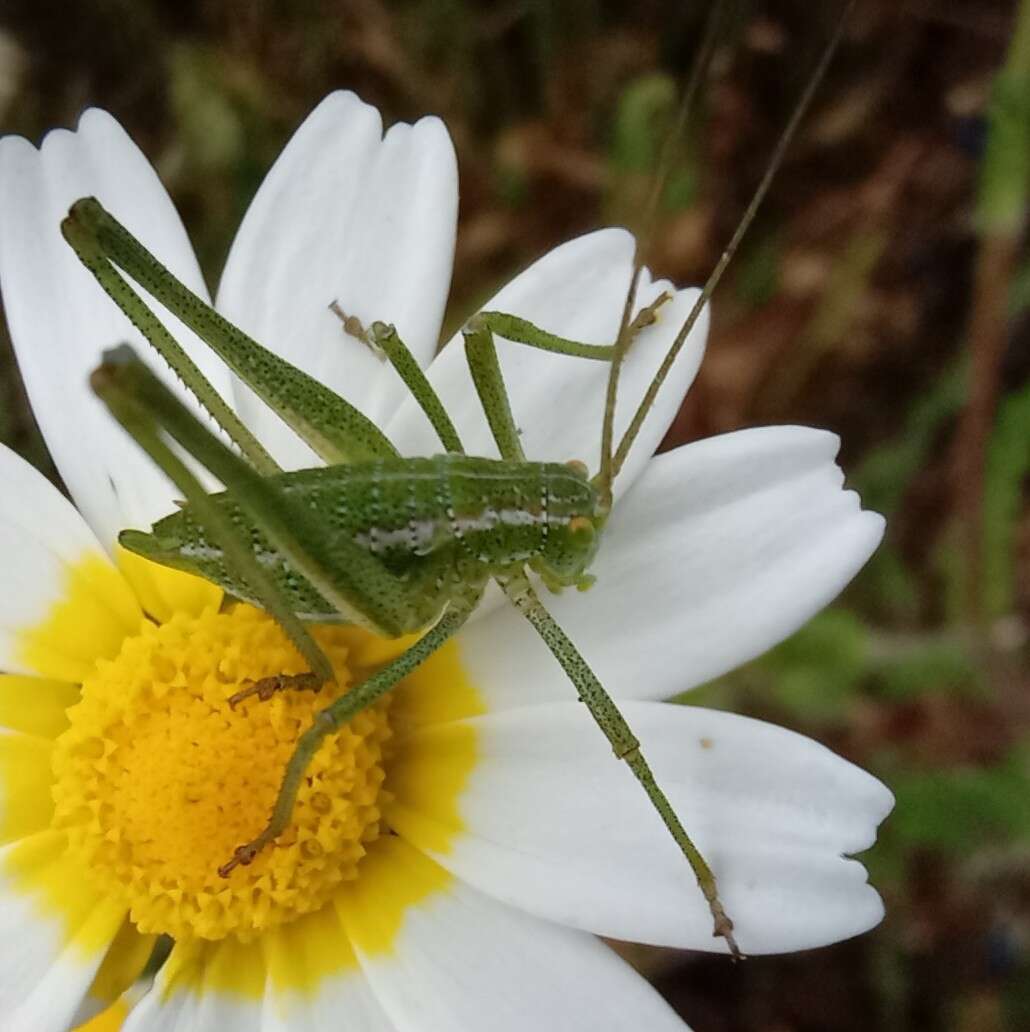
<point>882,286</point>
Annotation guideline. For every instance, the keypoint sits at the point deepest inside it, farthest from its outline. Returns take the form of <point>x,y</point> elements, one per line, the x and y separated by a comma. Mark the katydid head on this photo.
<point>576,517</point>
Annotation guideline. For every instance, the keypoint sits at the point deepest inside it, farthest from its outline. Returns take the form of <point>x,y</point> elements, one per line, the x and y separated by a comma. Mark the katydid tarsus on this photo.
<point>395,545</point>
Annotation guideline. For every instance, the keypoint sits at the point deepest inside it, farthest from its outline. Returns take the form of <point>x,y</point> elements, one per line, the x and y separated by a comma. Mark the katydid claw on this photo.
<point>266,687</point>
<point>243,856</point>
<point>724,930</point>
<point>648,315</point>
<point>353,326</point>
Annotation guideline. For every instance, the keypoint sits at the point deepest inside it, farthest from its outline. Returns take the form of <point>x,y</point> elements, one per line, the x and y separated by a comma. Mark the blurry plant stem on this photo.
<point>1001,211</point>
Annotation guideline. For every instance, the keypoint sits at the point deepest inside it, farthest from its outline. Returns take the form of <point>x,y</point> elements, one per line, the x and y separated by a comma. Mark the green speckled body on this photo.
<point>441,524</point>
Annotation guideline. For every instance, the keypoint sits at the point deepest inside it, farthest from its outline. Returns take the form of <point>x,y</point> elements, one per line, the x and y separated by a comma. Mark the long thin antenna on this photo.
<point>713,280</point>
<point>606,474</point>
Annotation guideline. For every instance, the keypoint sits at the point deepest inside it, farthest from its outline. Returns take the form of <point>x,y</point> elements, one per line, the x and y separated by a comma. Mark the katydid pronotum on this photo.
<point>395,545</point>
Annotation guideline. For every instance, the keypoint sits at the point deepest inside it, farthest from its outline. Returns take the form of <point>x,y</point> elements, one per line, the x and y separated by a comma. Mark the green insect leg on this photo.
<point>338,713</point>
<point>361,589</point>
<point>484,366</point>
<point>121,395</point>
<point>481,351</point>
<point>91,254</point>
<point>331,426</point>
<point>384,340</point>
<point>624,743</point>
<point>266,687</point>
<point>522,331</point>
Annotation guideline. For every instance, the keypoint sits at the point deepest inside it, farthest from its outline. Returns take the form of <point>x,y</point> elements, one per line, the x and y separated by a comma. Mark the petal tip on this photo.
<point>56,140</point>
<point>873,526</point>
<point>13,146</point>
<point>347,105</point>
<point>97,120</point>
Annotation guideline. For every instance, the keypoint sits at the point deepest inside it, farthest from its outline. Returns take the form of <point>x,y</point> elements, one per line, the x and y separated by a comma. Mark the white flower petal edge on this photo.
<point>48,963</point>
<point>60,319</point>
<point>207,1011</point>
<point>576,291</point>
<point>464,963</point>
<point>337,1004</point>
<point>190,1000</point>
<point>42,540</point>
<point>194,990</point>
<point>345,214</point>
<point>552,824</point>
<point>722,549</point>
<point>319,1011</point>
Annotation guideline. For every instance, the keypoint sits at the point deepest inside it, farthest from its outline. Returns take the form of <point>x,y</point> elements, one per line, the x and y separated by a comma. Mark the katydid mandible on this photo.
<point>395,545</point>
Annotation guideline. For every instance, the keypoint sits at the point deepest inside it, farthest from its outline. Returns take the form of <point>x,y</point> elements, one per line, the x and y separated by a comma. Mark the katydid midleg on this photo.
<point>395,545</point>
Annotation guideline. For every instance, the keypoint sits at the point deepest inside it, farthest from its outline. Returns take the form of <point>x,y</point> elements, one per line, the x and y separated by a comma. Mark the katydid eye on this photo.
<point>581,526</point>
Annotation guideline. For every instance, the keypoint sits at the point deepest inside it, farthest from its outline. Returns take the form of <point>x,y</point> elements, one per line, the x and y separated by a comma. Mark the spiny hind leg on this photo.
<point>340,712</point>
<point>146,409</point>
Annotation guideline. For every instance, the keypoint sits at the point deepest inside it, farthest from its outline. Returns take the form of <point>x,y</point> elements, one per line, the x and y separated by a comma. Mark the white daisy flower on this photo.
<point>455,850</point>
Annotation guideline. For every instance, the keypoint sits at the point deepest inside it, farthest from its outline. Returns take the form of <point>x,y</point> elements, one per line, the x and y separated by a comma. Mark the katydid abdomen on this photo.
<point>444,524</point>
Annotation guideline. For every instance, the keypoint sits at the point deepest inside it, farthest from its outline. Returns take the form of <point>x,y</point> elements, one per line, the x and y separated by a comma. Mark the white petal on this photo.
<point>302,993</point>
<point>51,558</point>
<point>199,1011</point>
<point>463,963</point>
<point>576,291</point>
<point>188,994</point>
<point>554,825</point>
<point>301,976</point>
<point>118,984</point>
<point>722,549</point>
<point>319,1010</point>
<point>48,960</point>
<point>60,319</point>
<point>345,214</point>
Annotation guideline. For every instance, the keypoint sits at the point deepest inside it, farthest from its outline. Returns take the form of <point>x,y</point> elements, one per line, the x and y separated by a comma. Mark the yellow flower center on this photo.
<point>158,780</point>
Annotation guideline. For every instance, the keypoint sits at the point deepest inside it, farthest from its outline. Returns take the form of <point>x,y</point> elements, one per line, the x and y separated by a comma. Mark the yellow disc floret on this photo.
<point>158,779</point>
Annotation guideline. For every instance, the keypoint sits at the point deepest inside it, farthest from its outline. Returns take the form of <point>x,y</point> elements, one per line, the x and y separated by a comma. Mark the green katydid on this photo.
<point>393,544</point>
